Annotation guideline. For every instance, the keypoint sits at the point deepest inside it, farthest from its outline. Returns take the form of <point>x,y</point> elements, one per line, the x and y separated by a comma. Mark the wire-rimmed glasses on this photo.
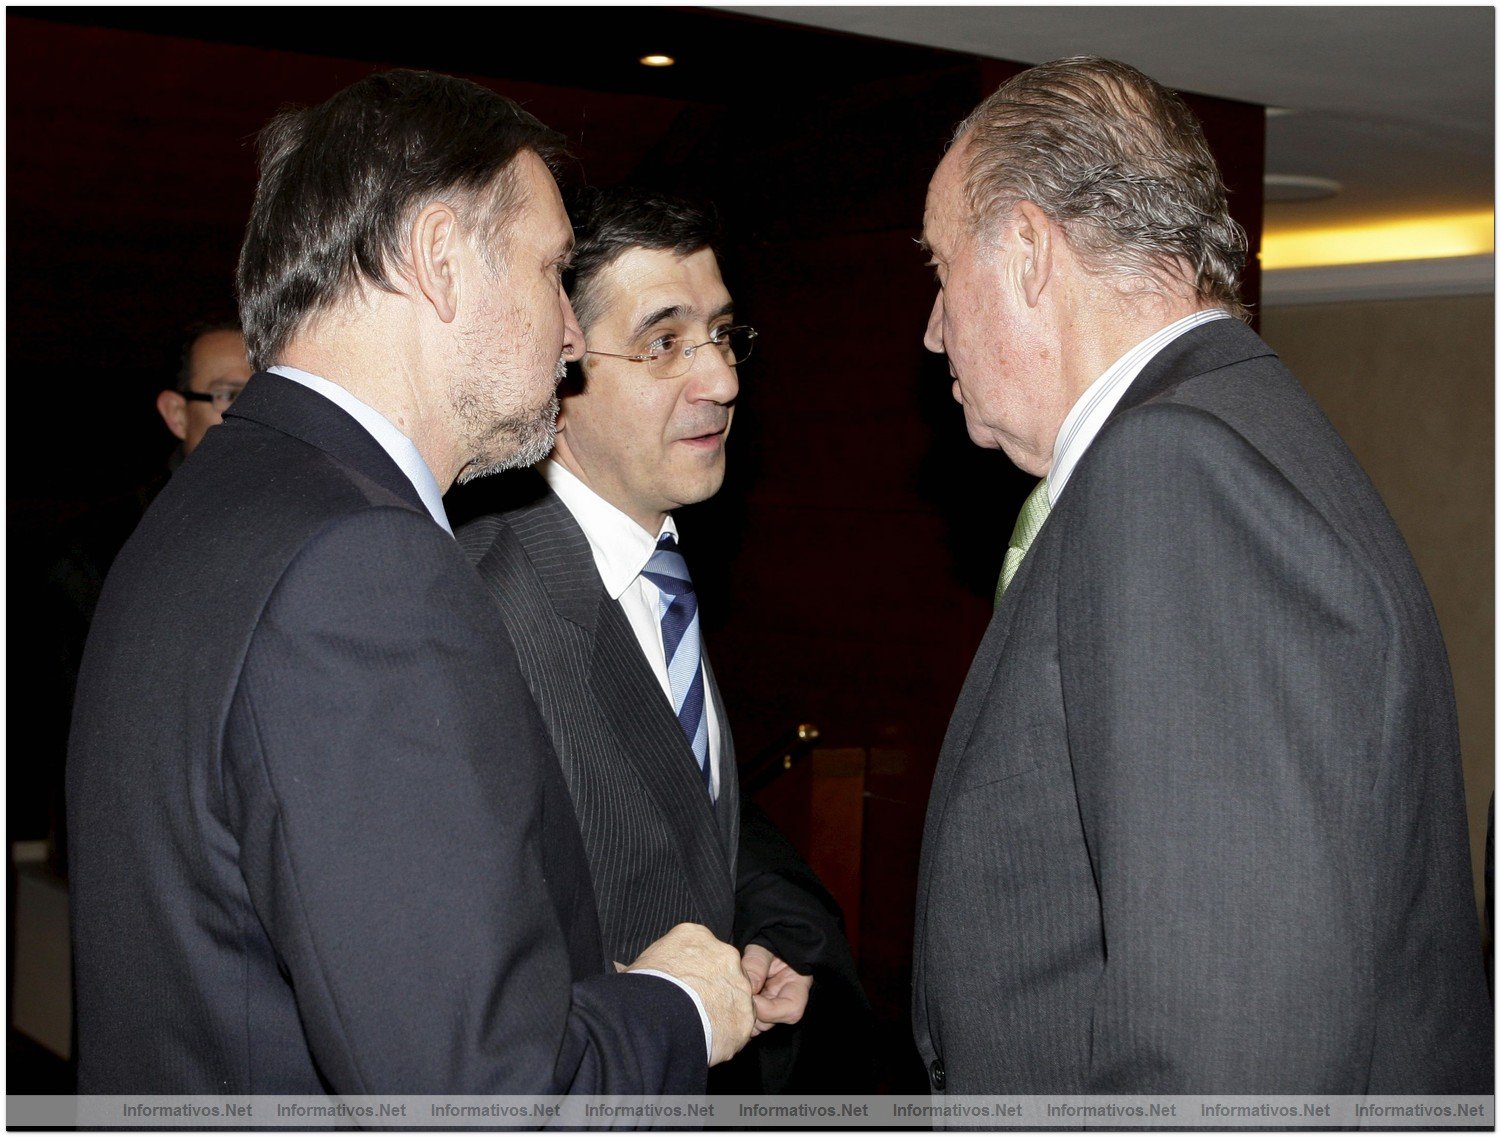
<point>671,356</point>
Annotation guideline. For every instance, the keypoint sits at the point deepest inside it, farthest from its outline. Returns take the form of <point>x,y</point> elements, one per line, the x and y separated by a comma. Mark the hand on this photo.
<point>780,993</point>
<point>690,952</point>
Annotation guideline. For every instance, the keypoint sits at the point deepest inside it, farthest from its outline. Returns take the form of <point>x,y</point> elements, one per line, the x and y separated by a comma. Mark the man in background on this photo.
<point>1198,822</point>
<point>320,842</point>
<point>595,587</point>
<point>214,371</point>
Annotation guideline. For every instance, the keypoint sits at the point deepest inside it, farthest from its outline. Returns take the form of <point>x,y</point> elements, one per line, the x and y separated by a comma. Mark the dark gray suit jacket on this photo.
<point>319,838</point>
<point>1198,825</point>
<point>660,853</point>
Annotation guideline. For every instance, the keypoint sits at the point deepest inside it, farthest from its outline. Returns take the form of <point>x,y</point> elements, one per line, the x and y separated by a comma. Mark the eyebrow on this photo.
<point>674,312</point>
<point>921,243</point>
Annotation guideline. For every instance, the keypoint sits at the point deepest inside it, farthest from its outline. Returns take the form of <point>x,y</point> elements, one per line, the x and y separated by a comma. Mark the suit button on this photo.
<point>939,1078</point>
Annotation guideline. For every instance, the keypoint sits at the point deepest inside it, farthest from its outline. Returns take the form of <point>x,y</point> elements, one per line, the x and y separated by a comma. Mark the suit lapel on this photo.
<point>560,554</point>
<point>653,743</point>
<point>971,702</point>
<point>626,689</point>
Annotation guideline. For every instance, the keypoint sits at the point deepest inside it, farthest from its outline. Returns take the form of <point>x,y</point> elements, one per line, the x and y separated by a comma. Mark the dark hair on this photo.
<point>609,222</point>
<point>190,337</point>
<point>340,181</point>
<point>1119,160</point>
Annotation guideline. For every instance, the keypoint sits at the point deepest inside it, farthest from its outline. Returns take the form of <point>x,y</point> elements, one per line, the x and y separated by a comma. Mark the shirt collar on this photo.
<point>621,548</point>
<point>1088,415</point>
<point>402,450</point>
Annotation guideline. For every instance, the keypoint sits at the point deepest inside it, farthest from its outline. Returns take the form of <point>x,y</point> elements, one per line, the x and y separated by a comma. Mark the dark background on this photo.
<point>847,567</point>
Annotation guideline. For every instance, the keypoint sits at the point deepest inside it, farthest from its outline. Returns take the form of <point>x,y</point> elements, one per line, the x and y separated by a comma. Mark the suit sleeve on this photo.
<point>1221,659</point>
<point>384,775</point>
<point>781,904</point>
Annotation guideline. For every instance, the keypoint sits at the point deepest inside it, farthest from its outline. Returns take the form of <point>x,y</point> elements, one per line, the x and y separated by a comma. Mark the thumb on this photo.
<point>756,964</point>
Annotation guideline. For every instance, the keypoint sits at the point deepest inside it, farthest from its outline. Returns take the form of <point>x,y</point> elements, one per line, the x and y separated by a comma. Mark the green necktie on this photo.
<point>1034,512</point>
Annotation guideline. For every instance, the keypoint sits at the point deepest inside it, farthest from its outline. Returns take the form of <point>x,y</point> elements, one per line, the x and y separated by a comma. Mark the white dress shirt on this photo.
<point>621,550</point>
<point>1089,413</point>
<point>403,450</point>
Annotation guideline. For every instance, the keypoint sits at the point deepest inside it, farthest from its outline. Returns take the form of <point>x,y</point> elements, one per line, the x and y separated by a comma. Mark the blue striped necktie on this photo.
<point>679,636</point>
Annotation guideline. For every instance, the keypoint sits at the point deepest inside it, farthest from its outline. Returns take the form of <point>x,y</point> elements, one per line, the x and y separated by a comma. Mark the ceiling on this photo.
<point>1395,103</point>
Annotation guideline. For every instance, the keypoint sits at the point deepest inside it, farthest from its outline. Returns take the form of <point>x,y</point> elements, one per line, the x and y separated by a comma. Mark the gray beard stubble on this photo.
<point>531,437</point>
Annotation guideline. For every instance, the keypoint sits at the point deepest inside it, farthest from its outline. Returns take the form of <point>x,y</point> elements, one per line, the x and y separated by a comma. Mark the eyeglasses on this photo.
<point>670,356</point>
<point>220,397</point>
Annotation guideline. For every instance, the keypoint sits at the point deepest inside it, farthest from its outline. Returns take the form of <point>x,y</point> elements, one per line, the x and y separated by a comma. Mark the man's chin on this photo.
<point>516,442</point>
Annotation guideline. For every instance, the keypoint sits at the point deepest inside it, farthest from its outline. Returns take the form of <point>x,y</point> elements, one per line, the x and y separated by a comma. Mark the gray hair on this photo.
<point>1120,162</point>
<point>340,182</point>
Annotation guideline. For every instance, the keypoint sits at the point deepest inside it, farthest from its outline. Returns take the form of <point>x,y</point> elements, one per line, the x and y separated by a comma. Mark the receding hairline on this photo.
<point>957,174</point>
<point>603,271</point>
<point>676,311</point>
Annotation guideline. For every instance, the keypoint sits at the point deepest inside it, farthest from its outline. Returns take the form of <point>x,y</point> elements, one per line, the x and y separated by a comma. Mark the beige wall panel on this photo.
<point>1410,384</point>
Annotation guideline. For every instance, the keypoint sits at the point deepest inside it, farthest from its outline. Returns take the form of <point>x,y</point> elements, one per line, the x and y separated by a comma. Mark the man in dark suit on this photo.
<point>320,841</point>
<point>604,616</point>
<point>1198,822</point>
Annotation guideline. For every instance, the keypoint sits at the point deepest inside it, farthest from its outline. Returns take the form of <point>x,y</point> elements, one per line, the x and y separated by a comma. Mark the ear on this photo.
<point>436,258</point>
<point>1036,235</point>
<point>563,399</point>
<point>173,410</point>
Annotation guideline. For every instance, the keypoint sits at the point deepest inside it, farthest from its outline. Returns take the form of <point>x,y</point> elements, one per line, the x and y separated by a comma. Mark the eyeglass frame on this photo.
<point>213,396</point>
<point>689,351</point>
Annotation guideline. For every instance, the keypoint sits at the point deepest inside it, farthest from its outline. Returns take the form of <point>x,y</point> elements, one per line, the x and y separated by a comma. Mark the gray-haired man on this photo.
<point>1198,822</point>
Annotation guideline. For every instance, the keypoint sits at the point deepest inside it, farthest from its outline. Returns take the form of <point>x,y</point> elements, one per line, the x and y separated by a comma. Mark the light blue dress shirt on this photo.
<point>403,450</point>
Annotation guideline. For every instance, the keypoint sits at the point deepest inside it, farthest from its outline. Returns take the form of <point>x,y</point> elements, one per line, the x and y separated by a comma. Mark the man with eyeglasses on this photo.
<point>320,841</point>
<point>602,608</point>
<point>214,370</point>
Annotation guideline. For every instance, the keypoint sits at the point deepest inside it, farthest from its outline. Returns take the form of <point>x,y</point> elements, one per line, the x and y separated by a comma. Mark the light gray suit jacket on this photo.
<point>1198,824</point>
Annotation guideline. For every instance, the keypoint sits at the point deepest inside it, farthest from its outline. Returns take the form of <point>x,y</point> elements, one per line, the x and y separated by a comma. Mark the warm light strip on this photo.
<point>1404,239</point>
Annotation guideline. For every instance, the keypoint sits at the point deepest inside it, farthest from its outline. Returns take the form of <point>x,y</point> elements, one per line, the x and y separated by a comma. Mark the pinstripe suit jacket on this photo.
<point>1198,824</point>
<point>660,853</point>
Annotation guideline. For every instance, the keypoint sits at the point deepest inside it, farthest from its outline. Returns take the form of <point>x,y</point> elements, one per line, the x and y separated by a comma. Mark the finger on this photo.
<point>787,1009</point>
<point>786,984</point>
<point>770,1010</point>
<point>756,964</point>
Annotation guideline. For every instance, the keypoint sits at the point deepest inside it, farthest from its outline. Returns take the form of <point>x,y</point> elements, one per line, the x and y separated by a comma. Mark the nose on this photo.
<point>711,378</point>
<point>932,339</point>
<point>573,347</point>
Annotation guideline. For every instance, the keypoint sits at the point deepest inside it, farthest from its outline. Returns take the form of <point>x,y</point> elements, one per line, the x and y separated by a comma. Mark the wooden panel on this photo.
<point>835,849</point>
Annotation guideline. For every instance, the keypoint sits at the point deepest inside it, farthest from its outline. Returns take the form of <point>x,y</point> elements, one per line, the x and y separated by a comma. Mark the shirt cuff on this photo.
<point>708,1029</point>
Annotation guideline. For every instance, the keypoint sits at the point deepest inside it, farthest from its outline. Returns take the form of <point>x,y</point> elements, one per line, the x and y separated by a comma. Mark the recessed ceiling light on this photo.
<point>1299,187</point>
<point>657,60</point>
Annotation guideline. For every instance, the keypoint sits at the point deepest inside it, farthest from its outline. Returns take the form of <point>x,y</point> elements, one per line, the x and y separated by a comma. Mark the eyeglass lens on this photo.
<point>733,344</point>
